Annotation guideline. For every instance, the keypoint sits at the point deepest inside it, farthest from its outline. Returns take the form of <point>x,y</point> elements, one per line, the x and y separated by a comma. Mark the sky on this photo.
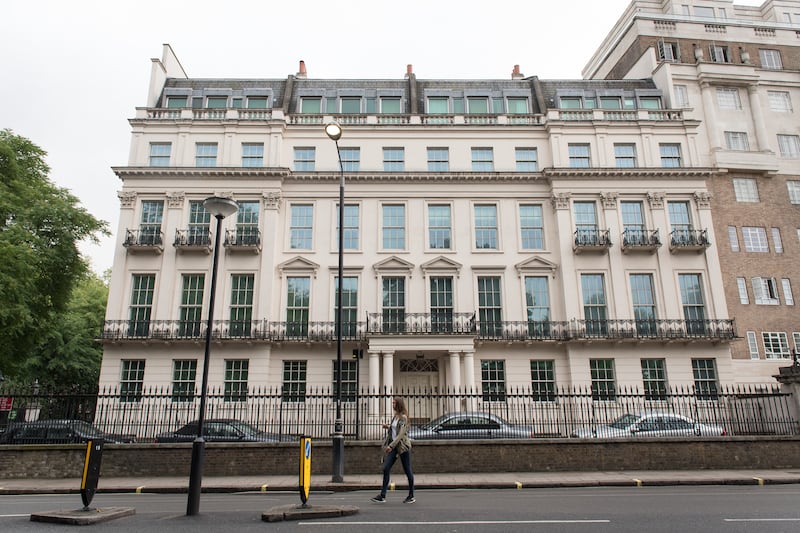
<point>73,71</point>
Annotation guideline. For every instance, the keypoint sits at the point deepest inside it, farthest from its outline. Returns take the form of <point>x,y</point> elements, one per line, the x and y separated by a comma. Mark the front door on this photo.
<point>418,382</point>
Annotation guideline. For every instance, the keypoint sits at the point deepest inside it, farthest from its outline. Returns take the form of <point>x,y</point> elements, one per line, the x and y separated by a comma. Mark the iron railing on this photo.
<point>548,411</point>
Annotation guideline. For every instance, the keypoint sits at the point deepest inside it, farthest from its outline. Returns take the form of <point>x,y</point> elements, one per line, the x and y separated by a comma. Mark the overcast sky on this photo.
<point>74,71</point>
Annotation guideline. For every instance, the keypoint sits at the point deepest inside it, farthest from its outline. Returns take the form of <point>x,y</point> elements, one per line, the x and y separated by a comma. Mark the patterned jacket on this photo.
<point>402,443</point>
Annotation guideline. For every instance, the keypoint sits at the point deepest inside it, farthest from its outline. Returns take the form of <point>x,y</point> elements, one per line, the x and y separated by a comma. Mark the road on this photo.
<point>706,509</point>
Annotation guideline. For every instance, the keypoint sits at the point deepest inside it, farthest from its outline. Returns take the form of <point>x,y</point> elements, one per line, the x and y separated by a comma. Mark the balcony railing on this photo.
<point>422,324</point>
<point>144,239</point>
<point>247,239</point>
<point>591,239</point>
<point>688,239</point>
<point>193,239</point>
<point>640,239</point>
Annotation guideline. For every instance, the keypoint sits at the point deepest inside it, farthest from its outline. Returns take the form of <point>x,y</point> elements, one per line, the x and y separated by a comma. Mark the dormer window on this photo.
<point>217,102</point>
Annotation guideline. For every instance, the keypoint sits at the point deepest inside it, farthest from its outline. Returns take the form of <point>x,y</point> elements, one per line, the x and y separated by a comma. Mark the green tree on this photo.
<point>40,228</point>
<point>69,355</point>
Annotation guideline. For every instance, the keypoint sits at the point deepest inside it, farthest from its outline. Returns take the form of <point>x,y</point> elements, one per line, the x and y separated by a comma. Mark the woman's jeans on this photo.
<point>388,462</point>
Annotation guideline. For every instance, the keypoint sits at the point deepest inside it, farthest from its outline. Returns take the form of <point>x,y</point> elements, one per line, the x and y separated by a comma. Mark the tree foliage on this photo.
<point>40,228</point>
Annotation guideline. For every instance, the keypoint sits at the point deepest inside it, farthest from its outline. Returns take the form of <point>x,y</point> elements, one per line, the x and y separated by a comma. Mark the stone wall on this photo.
<point>121,460</point>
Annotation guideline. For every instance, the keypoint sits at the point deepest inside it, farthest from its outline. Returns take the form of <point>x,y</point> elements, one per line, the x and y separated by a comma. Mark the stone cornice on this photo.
<point>406,177</point>
<point>195,172</point>
<point>630,173</point>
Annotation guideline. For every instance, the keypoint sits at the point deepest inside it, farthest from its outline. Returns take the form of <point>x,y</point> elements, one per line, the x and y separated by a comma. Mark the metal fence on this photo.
<point>740,410</point>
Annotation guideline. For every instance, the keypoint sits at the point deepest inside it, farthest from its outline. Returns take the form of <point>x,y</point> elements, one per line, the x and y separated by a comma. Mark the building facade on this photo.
<point>498,234</point>
<point>735,69</point>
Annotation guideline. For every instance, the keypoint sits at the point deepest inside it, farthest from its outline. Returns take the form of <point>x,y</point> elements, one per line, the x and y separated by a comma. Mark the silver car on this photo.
<point>650,425</point>
<point>469,426</point>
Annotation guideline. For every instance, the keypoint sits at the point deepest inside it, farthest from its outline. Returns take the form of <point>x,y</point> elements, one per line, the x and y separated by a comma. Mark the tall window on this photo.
<point>777,243</point>
<point>394,304</point>
<point>755,239</point>
<point>441,292</point>
<point>670,155</point>
<point>184,373</point>
<point>733,237</point>
<point>252,154</point>
<point>160,154</point>
<point>776,345</point>
<point>294,381</point>
<point>625,155</point>
<point>298,292</point>
<point>304,159</point>
<point>438,160</point>
<point>543,381</point>
<point>579,156</point>
<point>586,222</point>
<point>349,305</point>
<point>531,226</point>
<point>351,159</point>
<point>394,227</point>
<point>493,380</point>
<point>486,227</point>
<point>142,290</point>
<point>199,221</point>
<point>668,51</point>
<point>604,381</point>
<point>789,146</point>
<point>482,160</point>
<point>350,230</point>
<point>490,307</point>
<point>527,159</point>
<point>694,310</point>
<point>741,286</point>
<point>737,140</point>
<point>349,380</point>
<point>191,310</point>
<point>394,160</point>
<point>634,231</point>
<point>705,379</point>
<point>150,224</point>
<point>780,101</point>
<point>206,154</point>
<point>752,344</point>
<point>728,98</point>
<point>595,312</point>
<point>679,221</point>
<point>793,187</point>
<point>131,380</point>
<point>719,54</point>
<point>301,227</point>
<point>644,304</point>
<point>746,189</point>
<point>681,96</point>
<point>247,223</point>
<point>241,312</point>
<point>236,373</point>
<point>770,59</point>
<point>439,227</point>
<point>654,379</point>
<point>788,297</point>
<point>537,306</point>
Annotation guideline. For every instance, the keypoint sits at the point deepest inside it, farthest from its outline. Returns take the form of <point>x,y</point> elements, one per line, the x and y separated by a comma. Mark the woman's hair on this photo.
<point>400,406</point>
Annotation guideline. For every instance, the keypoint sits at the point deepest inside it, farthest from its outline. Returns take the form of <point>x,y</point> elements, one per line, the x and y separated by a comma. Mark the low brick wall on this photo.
<point>120,460</point>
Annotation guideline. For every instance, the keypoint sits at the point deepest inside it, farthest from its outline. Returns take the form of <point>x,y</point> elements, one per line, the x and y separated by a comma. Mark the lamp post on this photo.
<point>220,208</point>
<point>334,132</point>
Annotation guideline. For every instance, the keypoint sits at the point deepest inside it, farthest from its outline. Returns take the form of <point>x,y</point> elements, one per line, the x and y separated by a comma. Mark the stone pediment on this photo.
<point>393,265</point>
<point>441,264</point>
<point>536,265</point>
<point>298,265</point>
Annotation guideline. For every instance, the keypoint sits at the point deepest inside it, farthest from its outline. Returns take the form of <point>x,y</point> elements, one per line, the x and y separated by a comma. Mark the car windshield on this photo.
<point>435,422</point>
<point>624,421</point>
<point>86,428</point>
<point>244,427</point>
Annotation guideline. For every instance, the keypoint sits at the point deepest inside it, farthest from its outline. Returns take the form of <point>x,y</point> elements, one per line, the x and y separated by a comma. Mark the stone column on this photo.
<point>762,143</point>
<point>455,372</point>
<point>789,378</point>
<point>388,381</point>
<point>470,387</point>
<point>709,109</point>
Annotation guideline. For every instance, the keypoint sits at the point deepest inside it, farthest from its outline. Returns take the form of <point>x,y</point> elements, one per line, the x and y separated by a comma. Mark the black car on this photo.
<point>59,432</point>
<point>220,430</point>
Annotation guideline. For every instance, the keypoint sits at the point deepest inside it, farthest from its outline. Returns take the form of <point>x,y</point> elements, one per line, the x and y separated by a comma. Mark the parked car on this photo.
<point>221,430</point>
<point>469,426</point>
<point>650,425</point>
<point>58,432</point>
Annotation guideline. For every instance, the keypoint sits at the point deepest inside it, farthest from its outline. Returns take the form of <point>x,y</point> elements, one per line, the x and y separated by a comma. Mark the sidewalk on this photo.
<point>504,480</point>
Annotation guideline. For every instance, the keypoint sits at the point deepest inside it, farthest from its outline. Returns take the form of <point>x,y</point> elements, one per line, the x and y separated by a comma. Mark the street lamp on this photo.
<point>334,131</point>
<point>220,208</point>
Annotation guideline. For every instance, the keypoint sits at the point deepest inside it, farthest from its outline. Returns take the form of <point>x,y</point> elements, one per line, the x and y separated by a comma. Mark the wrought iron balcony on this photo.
<point>591,240</point>
<point>640,240</point>
<point>243,239</point>
<point>688,240</point>
<point>395,322</point>
<point>144,239</point>
<point>193,239</point>
<point>657,328</point>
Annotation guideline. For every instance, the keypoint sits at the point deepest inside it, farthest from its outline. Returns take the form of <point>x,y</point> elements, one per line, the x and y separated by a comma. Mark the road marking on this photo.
<point>391,486</point>
<point>264,487</point>
<point>638,482</point>
<point>760,481</point>
<point>457,522</point>
<point>518,484</point>
<point>13,515</point>
<point>762,520</point>
<point>139,489</point>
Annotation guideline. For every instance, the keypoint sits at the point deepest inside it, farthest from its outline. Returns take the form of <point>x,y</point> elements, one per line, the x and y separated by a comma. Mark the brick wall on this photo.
<point>432,457</point>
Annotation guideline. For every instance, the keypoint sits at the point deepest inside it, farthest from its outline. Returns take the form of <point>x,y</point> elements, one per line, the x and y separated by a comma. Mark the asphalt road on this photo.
<point>707,509</point>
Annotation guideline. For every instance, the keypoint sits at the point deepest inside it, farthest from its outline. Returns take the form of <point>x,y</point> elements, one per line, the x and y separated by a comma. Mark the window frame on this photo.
<point>579,155</point>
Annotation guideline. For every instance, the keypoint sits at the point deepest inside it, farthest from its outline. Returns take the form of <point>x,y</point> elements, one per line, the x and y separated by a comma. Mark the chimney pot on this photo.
<point>301,73</point>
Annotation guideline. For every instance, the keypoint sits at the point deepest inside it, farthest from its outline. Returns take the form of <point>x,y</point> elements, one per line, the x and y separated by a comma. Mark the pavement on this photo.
<point>493,480</point>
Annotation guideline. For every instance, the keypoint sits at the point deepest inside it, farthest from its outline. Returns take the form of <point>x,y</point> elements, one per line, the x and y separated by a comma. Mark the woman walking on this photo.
<point>397,444</point>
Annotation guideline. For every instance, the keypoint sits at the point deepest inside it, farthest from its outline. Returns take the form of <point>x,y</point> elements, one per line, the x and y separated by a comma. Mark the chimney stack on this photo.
<point>409,70</point>
<point>516,74</point>
<point>302,72</point>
